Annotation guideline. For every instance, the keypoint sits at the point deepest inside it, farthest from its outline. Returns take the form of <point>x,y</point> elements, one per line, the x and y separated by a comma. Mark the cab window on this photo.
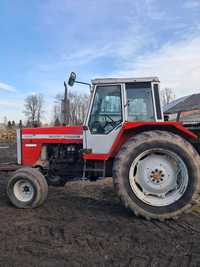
<point>140,103</point>
<point>106,113</point>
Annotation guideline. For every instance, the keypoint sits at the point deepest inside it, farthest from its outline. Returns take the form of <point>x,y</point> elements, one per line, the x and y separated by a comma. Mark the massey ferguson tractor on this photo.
<point>155,164</point>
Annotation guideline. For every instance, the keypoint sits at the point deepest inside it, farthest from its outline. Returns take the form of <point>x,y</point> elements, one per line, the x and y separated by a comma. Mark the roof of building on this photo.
<point>186,103</point>
<point>124,80</point>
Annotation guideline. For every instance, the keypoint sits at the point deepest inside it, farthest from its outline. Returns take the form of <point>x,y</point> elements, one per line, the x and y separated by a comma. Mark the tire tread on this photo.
<point>124,153</point>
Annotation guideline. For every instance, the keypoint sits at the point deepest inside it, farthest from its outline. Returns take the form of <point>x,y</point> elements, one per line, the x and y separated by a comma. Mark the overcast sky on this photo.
<point>42,41</point>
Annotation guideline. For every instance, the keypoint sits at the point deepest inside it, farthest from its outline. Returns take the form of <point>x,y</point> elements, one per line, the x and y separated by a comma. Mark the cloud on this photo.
<point>11,104</point>
<point>81,57</point>
<point>176,64</point>
<point>124,45</point>
<point>152,10</point>
<point>150,38</point>
<point>7,87</point>
<point>192,4</point>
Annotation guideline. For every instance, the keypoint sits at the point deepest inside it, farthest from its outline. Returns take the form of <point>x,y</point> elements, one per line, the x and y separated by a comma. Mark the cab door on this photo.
<point>104,119</point>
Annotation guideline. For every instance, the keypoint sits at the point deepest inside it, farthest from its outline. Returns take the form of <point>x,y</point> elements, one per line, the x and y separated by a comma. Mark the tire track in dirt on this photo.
<point>84,224</point>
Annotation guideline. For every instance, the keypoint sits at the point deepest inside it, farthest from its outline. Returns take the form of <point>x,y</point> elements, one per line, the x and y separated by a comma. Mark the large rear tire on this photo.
<point>27,188</point>
<point>157,175</point>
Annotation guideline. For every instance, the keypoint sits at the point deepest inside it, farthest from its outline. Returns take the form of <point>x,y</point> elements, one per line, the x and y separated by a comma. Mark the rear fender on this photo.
<point>130,128</point>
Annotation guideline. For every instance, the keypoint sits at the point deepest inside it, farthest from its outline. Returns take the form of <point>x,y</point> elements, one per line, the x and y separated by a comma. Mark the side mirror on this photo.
<point>72,79</point>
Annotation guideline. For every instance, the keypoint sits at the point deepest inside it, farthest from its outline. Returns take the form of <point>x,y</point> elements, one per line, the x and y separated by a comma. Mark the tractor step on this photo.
<point>92,169</point>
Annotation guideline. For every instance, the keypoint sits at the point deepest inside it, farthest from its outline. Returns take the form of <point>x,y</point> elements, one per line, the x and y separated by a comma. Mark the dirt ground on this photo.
<point>84,224</point>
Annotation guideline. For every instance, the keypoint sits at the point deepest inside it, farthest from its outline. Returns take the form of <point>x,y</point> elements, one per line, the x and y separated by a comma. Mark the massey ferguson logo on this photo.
<point>51,136</point>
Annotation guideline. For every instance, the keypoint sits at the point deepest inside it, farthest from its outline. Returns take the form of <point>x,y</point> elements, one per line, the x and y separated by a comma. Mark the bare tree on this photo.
<point>57,122</point>
<point>9,124</point>
<point>34,109</point>
<point>167,95</point>
<point>40,108</point>
<point>57,113</point>
<point>77,108</point>
<point>20,125</point>
<point>13,124</point>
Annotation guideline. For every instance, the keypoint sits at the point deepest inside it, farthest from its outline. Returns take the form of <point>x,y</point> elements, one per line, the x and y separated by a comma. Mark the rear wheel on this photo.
<point>157,175</point>
<point>27,188</point>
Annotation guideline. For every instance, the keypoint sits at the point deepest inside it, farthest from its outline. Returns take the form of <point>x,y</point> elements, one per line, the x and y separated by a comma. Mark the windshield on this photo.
<point>140,104</point>
<point>106,112</point>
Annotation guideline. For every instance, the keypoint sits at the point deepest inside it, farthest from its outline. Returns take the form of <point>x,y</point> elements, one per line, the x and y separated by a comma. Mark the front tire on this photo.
<point>157,175</point>
<point>27,188</point>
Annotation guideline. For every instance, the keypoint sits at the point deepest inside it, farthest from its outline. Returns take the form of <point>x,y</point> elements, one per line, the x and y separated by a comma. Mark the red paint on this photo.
<point>55,130</point>
<point>177,125</point>
<point>96,156</point>
<point>128,130</point>
<point>30,155</point>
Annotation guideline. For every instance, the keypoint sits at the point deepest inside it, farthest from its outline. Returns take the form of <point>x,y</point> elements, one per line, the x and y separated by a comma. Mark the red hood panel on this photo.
<point>55,130</point>
<point>34,138</point>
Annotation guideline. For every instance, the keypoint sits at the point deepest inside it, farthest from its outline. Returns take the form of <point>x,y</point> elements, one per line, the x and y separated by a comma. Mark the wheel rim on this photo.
<point>23,190</point>
<point>158,177</point>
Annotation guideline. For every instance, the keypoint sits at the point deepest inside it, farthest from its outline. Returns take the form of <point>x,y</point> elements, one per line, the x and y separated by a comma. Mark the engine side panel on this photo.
<point>33,139</point>
<point>64,160</point>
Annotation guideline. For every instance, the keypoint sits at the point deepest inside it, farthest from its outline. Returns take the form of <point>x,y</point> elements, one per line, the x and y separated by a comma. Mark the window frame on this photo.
<point>150,87</point>
<point>92,104</point>
<point>157,102</point>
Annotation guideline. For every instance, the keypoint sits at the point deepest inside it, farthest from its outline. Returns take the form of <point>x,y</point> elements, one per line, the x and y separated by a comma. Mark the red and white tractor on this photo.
<point>155,164</point>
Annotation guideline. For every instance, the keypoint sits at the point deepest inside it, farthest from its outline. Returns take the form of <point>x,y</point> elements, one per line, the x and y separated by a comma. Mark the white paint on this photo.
<point>31,145</point>
<point>19,147</point>
<point>51,136</point>
<point>101,143</point>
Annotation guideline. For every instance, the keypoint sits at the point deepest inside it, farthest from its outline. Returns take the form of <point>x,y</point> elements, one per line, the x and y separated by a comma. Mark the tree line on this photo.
<point>11,124</point>
<point>77,107</point>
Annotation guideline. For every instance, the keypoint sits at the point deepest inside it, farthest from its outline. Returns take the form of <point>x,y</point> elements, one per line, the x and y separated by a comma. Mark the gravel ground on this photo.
<point>83,224</point>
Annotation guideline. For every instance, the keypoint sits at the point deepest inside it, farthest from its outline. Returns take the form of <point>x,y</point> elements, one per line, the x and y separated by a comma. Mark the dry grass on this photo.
<point>8,135</point>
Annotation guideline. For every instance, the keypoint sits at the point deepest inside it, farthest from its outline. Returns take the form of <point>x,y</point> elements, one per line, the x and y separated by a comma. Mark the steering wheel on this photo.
<point>102,128</point>
<point>112,122</point>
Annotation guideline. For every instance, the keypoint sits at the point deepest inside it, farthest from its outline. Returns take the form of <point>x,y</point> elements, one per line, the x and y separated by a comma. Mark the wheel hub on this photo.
<point>158,177</point>
<point>23,190</point>
<point>26,189</point>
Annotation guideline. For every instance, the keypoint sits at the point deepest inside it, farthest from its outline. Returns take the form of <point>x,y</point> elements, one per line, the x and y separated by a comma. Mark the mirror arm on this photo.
<point>84,83</point>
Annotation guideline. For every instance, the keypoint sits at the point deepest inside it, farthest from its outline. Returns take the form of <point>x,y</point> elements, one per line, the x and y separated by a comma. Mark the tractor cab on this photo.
<point>118,100</point>
<point>115,101</point>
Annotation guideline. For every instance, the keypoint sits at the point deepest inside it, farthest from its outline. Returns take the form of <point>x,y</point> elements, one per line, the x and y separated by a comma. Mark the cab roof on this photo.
<point>124,80</point>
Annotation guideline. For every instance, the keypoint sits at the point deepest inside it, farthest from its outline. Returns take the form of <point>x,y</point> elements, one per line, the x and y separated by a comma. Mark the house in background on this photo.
<point>185,109</point>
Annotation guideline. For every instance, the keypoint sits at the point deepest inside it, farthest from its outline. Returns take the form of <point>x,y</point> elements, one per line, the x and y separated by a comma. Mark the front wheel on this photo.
<point>157,175</point>
<point>27,188</point>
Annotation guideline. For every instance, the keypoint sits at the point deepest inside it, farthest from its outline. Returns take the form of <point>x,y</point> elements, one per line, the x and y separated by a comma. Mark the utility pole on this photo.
<point>65,106</point>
